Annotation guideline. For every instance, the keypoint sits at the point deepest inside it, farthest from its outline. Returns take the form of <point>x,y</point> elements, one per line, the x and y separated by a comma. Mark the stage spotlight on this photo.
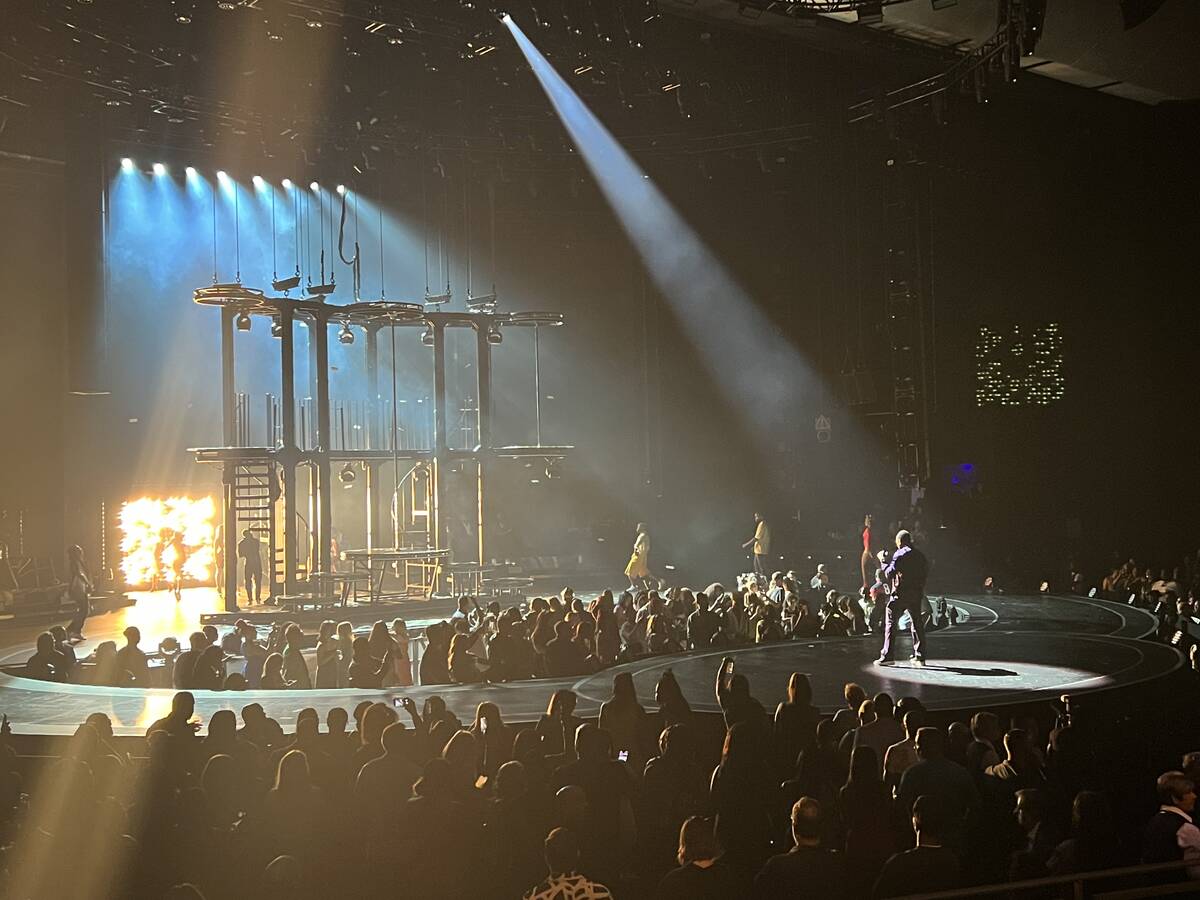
<point>287,184</point>
<point>553,473</point>
<point>226,5</point>
<point>242,322</point>
<point>346,336</point>
<point>190,171</point>
<point>277,326</point>
<point>258,181</point>
<point>427,336</point>
<point>341,189</point>
<point>347,475</point>
<point>127,164</point>
<point>160,169</point>
<point>184,10</point>
<point>315,186</point>
<point>221,176</point>
<point>493,335</point>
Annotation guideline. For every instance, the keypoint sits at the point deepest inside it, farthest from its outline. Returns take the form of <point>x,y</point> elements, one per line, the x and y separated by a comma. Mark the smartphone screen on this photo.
<point>623,755</point>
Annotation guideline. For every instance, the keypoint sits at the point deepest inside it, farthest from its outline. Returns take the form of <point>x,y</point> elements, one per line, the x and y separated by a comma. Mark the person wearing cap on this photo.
<point>820,581</point>
<point>905,574</point>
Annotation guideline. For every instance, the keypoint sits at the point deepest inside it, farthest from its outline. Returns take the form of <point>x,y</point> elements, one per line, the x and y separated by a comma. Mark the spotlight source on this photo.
<point>221,176</point>
<point>427,336</point>
<point>341,189</point>
<point>277,326</point>
<point>127,164</point>
<point>160,169</point>
<point>242,322</point>
<point>287,184</point>
<point>258,181</point>
<point>315,186</point>
<point>346,336</point>
<point>347,475</point>
<point>190,171</point>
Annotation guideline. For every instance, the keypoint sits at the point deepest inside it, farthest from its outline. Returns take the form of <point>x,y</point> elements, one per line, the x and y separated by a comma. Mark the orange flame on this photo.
<point>155,533</point>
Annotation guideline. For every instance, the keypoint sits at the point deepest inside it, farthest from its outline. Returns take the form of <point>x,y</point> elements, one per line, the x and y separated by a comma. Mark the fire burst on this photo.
<point>158,536</point>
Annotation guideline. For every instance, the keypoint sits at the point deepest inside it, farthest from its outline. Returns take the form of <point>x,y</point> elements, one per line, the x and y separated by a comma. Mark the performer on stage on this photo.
<point>249,548</point>
<point>78,589</point>
<point>761,542</point>
<point>905,574</point>
<point>638,570</point>
<point>868,562</point>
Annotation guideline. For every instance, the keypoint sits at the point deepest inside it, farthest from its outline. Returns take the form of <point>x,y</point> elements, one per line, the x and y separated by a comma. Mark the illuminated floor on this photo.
<point>1012,649</point>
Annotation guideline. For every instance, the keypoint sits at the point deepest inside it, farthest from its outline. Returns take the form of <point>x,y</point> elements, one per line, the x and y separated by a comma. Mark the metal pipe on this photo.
<point>537,383</point>
<point>287,458</point>
<point>324,442</point>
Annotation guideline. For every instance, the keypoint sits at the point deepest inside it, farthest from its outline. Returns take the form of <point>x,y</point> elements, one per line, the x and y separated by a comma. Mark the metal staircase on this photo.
<point>254,492</point>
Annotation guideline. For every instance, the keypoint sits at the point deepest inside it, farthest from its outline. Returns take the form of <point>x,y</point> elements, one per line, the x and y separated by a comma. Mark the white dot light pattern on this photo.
<point>1018,368</point>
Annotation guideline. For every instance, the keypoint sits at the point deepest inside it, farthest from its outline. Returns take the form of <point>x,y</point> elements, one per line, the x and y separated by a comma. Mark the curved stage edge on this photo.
<point>1011,649</point>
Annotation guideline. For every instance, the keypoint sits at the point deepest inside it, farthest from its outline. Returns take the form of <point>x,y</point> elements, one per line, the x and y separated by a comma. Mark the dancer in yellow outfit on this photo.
<point>638,570</point>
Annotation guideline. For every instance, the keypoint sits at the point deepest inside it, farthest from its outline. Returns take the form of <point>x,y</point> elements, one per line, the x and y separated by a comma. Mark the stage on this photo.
<point>1011,649</point>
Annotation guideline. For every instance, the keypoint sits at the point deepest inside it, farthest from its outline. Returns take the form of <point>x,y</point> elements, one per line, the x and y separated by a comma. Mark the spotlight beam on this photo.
<point>708,302</point>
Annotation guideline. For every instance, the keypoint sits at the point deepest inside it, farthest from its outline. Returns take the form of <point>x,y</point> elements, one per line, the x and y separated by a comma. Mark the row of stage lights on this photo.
<point>160,169</point>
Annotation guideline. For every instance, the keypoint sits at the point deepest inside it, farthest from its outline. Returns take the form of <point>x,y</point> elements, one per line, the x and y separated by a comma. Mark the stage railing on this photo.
<point>1079,883</point>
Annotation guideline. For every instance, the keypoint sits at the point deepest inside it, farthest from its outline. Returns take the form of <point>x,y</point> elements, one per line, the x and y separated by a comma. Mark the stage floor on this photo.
<point>1011,649</point>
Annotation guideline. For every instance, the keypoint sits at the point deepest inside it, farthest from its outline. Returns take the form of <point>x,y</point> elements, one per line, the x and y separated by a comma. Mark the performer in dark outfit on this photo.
<point>78,589</point>
<point>249,548</point>
<point>905,573</point>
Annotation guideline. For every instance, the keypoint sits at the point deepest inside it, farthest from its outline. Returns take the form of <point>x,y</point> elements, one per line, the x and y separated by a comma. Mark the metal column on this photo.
<point>288,452</point>
<point>441,451</point>
<point>374,432</point>
<point>483,371</point>
<point>229,475</point>
<point>324,444</point>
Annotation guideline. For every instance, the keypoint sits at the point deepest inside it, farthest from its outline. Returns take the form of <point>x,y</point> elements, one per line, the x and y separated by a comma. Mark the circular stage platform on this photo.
<point>1010,649</point>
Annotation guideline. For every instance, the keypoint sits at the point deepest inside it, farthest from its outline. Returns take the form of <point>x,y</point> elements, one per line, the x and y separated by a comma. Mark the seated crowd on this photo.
<point>882,799</point>
<point>552,637</point>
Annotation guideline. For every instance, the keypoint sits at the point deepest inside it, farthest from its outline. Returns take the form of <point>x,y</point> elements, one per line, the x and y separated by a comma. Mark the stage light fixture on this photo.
<point>242,322</point>
<point>347,475</point>
<point>127,164</point>
<point>226,5</point>
<point>482,303</point>
<point>315,186</point>
<point>427,336</point>
<point>287,184</point>
<point>276,325</point>
<point>190,171</point>
<point>341,189</point>
<point>494,336</point>
<point>345,336</point>
<point>286,284</point>
<point>553,472</point>
<point>314,19</point>
<point>184,9</point>
<point>221,176</point>
<point>870,13</point>
<point>258,181</point>
<point>160,169</point>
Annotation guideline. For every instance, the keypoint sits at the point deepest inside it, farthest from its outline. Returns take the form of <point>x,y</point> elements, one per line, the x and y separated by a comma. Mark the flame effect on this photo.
<point>149,549</point>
